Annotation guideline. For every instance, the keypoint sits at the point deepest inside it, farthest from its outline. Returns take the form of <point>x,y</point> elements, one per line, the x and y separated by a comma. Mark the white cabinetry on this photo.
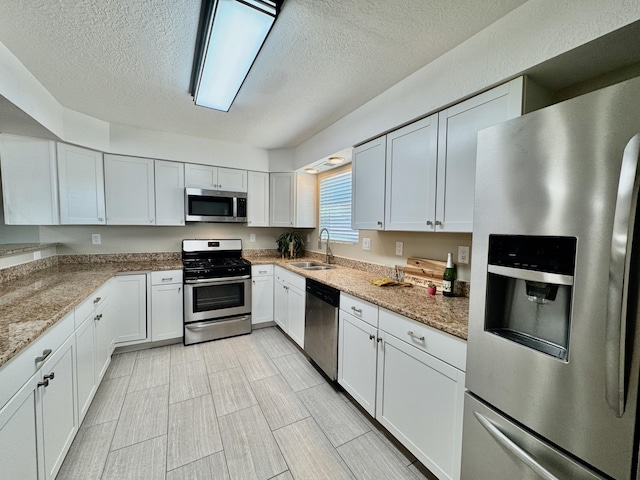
<point>129,190</point>
<point>215,178</point>
<point>258,199</point>
<point>368,174</point>
<point>289,298</point>
<point>86,366</point>
<point>130,308</point>
<point>81,181</point>
<point>169,193</point>
<point>29,181</point>
<point>293,200</point>
<point>166,305</point>
<point>261,294</point>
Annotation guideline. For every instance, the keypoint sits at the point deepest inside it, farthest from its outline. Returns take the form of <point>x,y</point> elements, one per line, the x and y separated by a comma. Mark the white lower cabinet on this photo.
<point>289,303</point>
<point>261,293</point>
<point>166,305</point>
<point>408,376</point>
<point>103,321</point>
<point>85,366</point>
<point>130,308</point>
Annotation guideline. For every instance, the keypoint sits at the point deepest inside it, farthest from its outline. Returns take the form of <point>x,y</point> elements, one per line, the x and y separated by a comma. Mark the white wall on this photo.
<point>529,35</point>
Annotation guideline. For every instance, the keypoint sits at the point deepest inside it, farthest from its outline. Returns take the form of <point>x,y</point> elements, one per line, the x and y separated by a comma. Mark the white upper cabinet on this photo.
<point>293,200</point>
<point>411,176</point>
<point>29,181</point>
<point>169,181</point>
<point>81,182</point>
<point>258,199</point>
<point>368,167</point>
<point>457,142</point>
<point>129,189</point>
<point>207,177</point>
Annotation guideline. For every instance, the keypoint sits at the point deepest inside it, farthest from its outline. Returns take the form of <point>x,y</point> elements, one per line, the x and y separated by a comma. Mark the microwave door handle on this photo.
<point>619,267</point>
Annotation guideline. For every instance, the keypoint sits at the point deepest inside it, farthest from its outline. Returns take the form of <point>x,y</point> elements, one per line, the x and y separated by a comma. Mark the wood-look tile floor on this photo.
<point>248,407</point>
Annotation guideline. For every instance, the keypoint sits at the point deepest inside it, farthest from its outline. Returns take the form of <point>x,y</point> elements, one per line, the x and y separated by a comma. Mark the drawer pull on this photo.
<point>357,310</point>
<point>413,335</point>
<point>98,317</point>
<point>262,271</point>
<point>167,279</point>
<point>45,354</point>
<point>96,300</point>
<point>371,337</point>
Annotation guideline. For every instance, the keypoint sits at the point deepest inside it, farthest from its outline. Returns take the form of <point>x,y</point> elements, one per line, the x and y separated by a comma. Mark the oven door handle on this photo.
<point>209,323</point>
<point>219,280</point>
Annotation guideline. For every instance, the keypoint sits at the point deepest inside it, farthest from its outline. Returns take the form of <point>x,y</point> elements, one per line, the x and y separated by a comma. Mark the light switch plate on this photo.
<point>399,248</point>
<point>96,239</point>
<point>463,255</point>
<point>252,237</point>
<point>366,244</point>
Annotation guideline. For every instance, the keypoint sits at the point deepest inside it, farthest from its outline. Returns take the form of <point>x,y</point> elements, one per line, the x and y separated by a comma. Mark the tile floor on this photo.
<point>248,407</point>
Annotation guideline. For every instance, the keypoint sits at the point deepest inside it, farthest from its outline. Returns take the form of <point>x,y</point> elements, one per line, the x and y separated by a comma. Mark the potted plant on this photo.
<point>431,288</point>
<point>290,244</point>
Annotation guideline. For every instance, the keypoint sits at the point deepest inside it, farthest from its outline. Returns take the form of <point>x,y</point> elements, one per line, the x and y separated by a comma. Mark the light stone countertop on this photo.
<point>31,304</point>
<point>448,314</point>
<point>14,248</point>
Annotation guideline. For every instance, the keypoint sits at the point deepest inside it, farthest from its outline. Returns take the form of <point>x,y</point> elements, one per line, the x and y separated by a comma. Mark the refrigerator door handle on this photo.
<point>619,266</point>
<point>513,448</point>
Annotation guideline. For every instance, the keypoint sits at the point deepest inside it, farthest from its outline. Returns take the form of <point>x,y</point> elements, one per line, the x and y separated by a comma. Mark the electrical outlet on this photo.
<point>399,248</point>
<point>463,255</point>
<point>366,244</point>
<point>37,255</point>
<point>96,239</point>
<point>252,237</point>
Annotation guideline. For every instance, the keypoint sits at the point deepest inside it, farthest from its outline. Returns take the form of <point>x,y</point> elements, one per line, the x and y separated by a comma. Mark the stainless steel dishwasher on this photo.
<point>321,326</point>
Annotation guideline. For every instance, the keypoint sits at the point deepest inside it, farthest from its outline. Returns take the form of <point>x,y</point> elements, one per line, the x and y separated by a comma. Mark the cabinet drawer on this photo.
<point>261,270</point>
<point>447,348</point>
<point>92,302</point>
<point>166,277</point>
<point>18,370</point>
<point>361,309</point>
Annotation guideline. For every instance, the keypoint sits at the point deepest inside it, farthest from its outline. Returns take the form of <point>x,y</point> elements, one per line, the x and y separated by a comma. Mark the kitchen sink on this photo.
<point>311,265</point>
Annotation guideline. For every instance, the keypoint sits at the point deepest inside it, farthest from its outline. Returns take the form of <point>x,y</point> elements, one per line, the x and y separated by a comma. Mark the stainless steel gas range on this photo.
<point>217,290</point>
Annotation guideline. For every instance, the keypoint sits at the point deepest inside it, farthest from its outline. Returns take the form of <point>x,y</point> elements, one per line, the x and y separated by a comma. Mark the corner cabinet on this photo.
<point>258,199</point>
<point>81,182</point>
<point>129,190</point>
<point>29,181</point>
<point>293,200</point>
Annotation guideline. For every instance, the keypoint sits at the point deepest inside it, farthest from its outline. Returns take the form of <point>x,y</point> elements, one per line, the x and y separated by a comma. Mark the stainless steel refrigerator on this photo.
<point>553,365</point>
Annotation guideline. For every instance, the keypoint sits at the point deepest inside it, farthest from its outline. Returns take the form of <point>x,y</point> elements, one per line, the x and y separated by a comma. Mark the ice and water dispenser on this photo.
<point>529,288</point>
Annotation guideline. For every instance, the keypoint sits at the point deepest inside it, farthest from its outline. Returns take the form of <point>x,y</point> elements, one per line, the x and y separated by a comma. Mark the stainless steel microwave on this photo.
<point>214,206</point>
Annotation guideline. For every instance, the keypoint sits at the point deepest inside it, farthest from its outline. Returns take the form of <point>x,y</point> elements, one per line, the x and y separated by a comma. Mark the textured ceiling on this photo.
<point>129,62</point>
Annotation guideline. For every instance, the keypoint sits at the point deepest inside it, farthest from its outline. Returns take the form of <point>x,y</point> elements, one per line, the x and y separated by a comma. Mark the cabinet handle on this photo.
<point>438,223</point>
<point>45,354</point>
<point>254,282</point>
<point>413,335</point>
<point>429,222</point>
<point>379,339</point>
<point>98,317</point>
<point>179,288</point>
<point>96,300</point>
<point>51,376</point>
<point>379,223</point>
<point>371,337</point>
<point>262,271</point>
<point>100,219</point>
<point>167,279</point>
<point>43,384</point>
<point>357,310</point>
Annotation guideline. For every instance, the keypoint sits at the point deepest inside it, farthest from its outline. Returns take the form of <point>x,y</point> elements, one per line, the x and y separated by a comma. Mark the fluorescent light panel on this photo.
<point>236,31</point>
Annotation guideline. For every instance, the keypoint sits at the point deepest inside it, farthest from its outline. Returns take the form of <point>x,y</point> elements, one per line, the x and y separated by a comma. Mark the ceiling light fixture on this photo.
<point>230,36</point>
<point>311,170</point>
<point>336,160</point>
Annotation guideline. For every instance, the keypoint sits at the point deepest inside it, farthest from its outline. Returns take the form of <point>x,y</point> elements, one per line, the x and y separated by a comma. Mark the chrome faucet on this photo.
<point>328,254</point>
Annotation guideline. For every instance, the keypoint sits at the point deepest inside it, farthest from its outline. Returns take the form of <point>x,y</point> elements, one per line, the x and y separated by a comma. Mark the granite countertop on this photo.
<point>33,303</point>
<point>13,248</point>
<point>448,314</point>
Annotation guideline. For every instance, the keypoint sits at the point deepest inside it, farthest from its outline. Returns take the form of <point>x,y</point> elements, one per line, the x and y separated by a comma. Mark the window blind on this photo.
<point>335,207</point>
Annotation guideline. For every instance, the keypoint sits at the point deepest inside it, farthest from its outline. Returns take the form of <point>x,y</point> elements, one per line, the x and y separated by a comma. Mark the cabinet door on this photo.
<point>59,417</point>
<point>258,199</point>
<point>282,194</point>
<point>305,206</point>
<point>169,196</point>
<point>368,174</point>
<point>458,130</point>
<point>280,308</point>
<point>85,366</point>
<point>420,401</point>
<point>129,190</point>
<point>103,321</point>
<point>232,180</point>
<point>29,181</point>
<point>262,300</point>
<point>18,434</point>
<point>81,180</point>
<point>129,299</point>
<point>200,176</point>
<point>295,314</point>
<point>411,176</point>
<point>166,311</point>
<point>357,357</point>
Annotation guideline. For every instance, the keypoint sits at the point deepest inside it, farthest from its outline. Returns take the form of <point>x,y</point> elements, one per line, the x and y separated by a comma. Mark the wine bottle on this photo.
<point>449,278</point>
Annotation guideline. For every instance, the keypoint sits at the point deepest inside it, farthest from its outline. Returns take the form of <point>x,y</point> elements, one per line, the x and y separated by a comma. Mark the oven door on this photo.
<point>213,298</point>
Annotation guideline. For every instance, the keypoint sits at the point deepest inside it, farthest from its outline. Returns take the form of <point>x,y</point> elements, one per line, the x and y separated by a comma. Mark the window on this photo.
<point>335,206</point>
